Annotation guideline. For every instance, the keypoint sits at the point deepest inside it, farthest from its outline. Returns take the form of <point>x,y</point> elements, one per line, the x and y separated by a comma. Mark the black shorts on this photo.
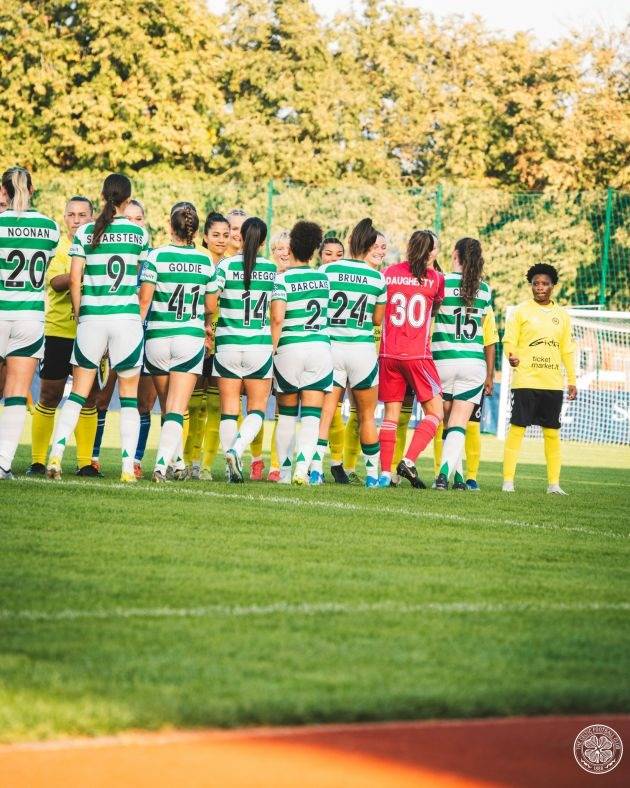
<point>476,414</point>
<point>56,362</point>
<point>536,406</point>
<point>207,366</point>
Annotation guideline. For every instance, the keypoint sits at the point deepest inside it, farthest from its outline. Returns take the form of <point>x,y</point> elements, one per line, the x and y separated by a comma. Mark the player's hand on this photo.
<point>514,360</point>
<point>572,390</point>
<point>209,338</point>
<point>488,386</point>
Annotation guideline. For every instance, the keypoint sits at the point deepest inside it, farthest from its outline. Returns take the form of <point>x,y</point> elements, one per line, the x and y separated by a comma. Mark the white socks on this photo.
<point>317,463</point>
<point>11,425</point>
<point>228,428</point>
<point>129,431</point>
<point>249,429</point>
<point>66,422</point>
<point>285,437</point>
<point>170,440</point>
<point>307,438</point>
<point>452,450</point>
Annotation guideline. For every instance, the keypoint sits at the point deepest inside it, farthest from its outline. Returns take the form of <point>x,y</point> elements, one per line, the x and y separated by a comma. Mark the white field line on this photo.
<point>314,609</point>
<point>530,477</point>
<point>314,503</point>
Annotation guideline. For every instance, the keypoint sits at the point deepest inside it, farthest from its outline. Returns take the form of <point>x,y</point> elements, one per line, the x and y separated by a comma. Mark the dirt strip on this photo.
<point>444,754</point>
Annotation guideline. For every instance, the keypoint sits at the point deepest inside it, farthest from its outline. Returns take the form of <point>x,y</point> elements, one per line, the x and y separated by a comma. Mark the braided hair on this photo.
<point>184,222</point>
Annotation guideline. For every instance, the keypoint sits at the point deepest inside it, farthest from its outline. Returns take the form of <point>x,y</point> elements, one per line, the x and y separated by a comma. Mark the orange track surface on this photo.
<point>509,752</point>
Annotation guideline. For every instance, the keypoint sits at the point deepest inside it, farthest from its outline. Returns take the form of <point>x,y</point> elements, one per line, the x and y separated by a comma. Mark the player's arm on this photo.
<point>490,339</point>
<point>511,338</point>
<point>210,304</point>
<point>60,283</point>
<point>76,279</point>
<point>377,315</point>
<point>145,296</point>
<point>567,353</point>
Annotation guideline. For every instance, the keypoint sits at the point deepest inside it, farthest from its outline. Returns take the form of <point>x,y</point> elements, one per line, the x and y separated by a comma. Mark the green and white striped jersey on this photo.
<point>244,314</point>
<point>110,276</point>
<point>182,276</point>
<point>458,332</point>
<point>305,291</point>
<point>28,241</point>
<point>355,289</point>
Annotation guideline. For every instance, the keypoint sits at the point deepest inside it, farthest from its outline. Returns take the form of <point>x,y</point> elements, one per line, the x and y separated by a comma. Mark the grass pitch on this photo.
<point>207,604</point>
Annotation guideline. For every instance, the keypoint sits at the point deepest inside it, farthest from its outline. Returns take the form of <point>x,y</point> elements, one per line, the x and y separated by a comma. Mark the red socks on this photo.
<point>422,436</point>
<point>387,439</point>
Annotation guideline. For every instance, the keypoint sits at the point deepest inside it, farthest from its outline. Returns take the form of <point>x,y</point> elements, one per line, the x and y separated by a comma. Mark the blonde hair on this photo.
<point>282,236</point>
<point>17,183</point>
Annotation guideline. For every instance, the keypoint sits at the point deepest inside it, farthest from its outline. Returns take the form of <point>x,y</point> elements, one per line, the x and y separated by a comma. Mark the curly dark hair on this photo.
<point>304,240</point>
<point>543,268</point>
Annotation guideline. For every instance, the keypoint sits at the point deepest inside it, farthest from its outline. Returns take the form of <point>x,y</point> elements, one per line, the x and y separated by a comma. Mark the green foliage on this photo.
<point>271,90</point>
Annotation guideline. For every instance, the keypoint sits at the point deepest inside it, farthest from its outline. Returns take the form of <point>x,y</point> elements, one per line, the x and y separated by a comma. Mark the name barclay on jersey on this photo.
<point>316,284</point>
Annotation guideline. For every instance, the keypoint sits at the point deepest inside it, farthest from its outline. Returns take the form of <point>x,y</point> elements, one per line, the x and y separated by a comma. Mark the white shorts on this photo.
<point>22,338</point>
<point>306,366</point>
<point>256,364</point>
<point>355,364</point>
<point>174,354</point>
<point>462,379</point>
<point>122,340</point>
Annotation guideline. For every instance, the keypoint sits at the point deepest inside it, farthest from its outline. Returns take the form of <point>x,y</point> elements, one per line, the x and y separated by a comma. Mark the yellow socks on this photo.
<point>473,449</point>
<point>351,445</point>
<point>437,449</point>
<point>256,446</point>
<point>211,437</point>
<point>401,434</point>
<point>84,434</point>
<point>197,413</point>
<point>512,448</point>
<point>335,436</point>
<point>186,428</point>
<point>41,433</point>
<point>275,462</point>
<point>552,454</point>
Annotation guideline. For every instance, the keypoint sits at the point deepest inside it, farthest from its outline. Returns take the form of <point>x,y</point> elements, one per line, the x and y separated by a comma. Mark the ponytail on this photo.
<point>116,189</point>
<point>17,183</point>
<point>253,232</point>
<point>420,246</point>
<point>362,239</point>
<point>184,222</point>
<point>471,260</point>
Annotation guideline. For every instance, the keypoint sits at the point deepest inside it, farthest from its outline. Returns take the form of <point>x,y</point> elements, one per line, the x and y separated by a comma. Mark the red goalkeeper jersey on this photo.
<point>407,322</point>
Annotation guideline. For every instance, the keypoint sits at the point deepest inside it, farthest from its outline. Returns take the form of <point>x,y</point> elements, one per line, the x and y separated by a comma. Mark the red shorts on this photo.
<point>396,375</point>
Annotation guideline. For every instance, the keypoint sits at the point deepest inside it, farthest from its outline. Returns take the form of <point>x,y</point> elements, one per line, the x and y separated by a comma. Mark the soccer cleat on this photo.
<point>36,469</point>
<point>273,476</point>
<point>300,478</point>
<point>53,470</point>
<point>315,478</point>
<point>158,477</point>
<point>410,473</point>
<point>555,489</point>
<point>371,482</point>
<point>508,487</point>
<point>285,479</point>
<point>128,478</point>
<point>256,471</point>
<point>441,483</point>
<point>6,475</point>
<point>195,471</point>
<point>355,479</point>
<point>385,481</point>
<point>96,465</point>
<point>137,470</point>
<point>89,471</point>
<point>459,486</point>
<point>206,475</point>
<point>339,474</point>
<point>234,467</point>
<point>181,474</point>
<point>395,480</point>
<point>472,485</point>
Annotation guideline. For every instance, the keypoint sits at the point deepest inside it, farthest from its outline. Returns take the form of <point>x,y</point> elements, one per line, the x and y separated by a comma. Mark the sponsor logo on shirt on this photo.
<point>546,341</point>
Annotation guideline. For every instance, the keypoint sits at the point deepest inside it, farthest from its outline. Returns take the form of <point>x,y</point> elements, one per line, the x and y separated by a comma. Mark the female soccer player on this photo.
<point>243,355</point>
<point>216,237</point>
<point>28,240</point>
<point>60,329</point>
<point>280,255</point>
<point>465,366</point>
<point>414,291</point>
<point>538,344</point>
<point>330,251</point>
<point>104,292</point>
<point>177,283</point>
<point>235,218</point>
<point>303,368</point>
<point>357,304</point>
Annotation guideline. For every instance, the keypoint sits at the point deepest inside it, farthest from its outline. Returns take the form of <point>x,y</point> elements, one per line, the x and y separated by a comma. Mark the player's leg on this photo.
<point>311,404</point>
<point>455,419</point>
<point>523,403</point>
<point>146,400</point>
<point>256,448</point>
<point>102,400</point>
<point>401,435</point>
<point>351,443</point>
<point>331,402</point>
<point>438,443</point>
<point>391,391</point>
<point>288,408</point>
<point>85,435</point>
<point>126,353</point>
<point>473,448</point>
<point>19,376</point>
<point>367,399</point>
<point>197,415</point>
<point>274,462</point>
<point>257,391</point>
<point>336,438</point>
<point>179,389</point>
<point>211,437</point>
<point>549,408</point>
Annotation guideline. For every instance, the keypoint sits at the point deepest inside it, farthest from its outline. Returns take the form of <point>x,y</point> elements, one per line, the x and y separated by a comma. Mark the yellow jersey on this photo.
<point>540,337</point>
<point>59,321</point>
<point>489,328</point>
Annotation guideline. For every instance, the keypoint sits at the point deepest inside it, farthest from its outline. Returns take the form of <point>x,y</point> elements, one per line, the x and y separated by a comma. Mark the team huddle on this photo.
<point>201,327</point>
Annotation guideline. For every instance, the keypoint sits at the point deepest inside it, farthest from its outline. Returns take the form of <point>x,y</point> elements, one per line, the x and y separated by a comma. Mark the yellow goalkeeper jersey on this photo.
<point>59,321</point>
<point>489,328</point>
<point>540,337</point>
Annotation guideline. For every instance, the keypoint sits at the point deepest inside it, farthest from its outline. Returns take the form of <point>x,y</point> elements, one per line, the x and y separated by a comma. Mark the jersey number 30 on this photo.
<point>412,311</point>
